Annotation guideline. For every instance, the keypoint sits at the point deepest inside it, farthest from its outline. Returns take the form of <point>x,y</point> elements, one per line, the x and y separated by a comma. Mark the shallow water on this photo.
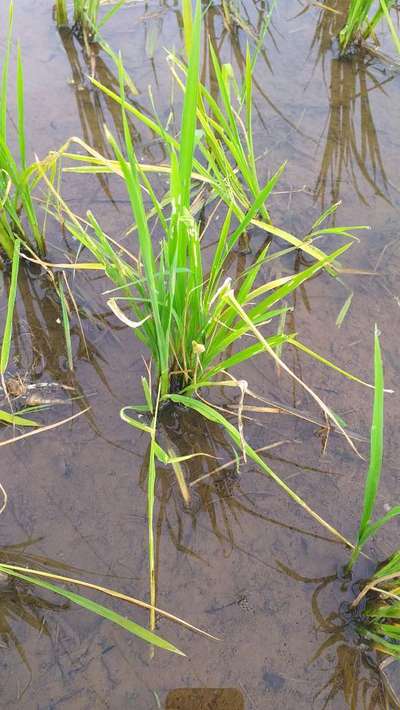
<point>243,562</point>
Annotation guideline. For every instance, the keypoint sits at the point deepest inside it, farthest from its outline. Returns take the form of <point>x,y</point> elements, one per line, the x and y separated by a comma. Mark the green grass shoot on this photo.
<point>61,13</point>
<point>362,19</point>
<point>380,616</point>
<point>15,419</point>
<point>156,291</point>
<point>18,213</point>
<point>38,578</point>
<point>368,527</point>
<point>65,315</point>
<point>12,294</point>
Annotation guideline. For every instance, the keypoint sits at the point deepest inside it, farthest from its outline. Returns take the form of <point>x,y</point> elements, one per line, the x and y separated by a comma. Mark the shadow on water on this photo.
<point>233,36</point>
<point>351,153</point>
<point>95,108</point>
<point>21,602</point>
<point>39,375</point>
<point>328,24</point>
<point>219,503</point>
<point>356,679</point>
<point>39,345</point>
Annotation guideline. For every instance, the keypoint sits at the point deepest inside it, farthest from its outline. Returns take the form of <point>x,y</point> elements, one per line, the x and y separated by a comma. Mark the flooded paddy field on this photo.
<point>241,560</point>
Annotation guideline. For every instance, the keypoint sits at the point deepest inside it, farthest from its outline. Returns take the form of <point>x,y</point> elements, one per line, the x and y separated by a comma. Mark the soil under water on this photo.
<point>242,561</point>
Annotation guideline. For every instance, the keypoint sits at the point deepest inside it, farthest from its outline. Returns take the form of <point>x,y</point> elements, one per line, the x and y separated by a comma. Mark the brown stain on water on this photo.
<point>205,699</point>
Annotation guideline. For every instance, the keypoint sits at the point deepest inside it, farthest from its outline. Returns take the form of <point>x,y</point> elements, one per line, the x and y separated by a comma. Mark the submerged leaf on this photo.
<point>15,419</point>
<point>100,610</point>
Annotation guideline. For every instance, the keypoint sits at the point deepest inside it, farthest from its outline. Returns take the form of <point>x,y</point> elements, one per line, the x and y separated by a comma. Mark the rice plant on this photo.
<point>61,13</point>
<point>197,321</point>
<point>368,527</point>
<point>352,148</point>
<point>86,22</point>
<point>380,608</point>
<point>375,612</point>
<point>363,16</point>
<point>18,179</point>
<point>186,314</point>
<point>378,616</point>
<point>7,335</point>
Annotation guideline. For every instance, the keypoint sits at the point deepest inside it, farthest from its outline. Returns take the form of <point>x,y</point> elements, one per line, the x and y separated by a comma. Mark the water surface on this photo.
<point>243,562</point>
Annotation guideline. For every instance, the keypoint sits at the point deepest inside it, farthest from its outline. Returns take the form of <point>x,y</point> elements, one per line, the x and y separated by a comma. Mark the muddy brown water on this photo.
<point>242,562</point>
